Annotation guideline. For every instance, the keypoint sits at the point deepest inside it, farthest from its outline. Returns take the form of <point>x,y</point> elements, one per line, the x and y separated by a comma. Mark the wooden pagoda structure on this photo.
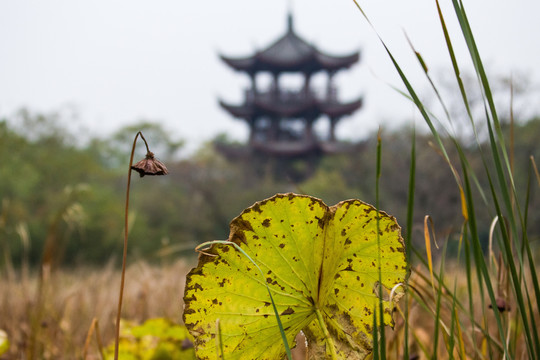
<point>281,120</point>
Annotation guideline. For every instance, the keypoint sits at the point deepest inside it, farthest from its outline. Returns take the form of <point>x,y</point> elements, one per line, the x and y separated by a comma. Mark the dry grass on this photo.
<point>50,318</point>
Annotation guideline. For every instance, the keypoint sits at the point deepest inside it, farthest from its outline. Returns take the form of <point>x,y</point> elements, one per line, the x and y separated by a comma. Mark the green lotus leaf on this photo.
<point>4,342</point>
<point>156,339</point>
<point>322,265</point>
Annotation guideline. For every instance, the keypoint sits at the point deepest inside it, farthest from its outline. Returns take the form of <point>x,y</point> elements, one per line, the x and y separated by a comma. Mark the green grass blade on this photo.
<point>480,263</point>
<point>455,66</point>
<point>408,237</point>
<point>381,333</point>
<point>507,248</point>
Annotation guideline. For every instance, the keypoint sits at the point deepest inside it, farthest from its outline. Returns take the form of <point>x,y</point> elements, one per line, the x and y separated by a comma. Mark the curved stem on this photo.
<point>145,143</point>
<point>329,342</point>
<point>124,257</point>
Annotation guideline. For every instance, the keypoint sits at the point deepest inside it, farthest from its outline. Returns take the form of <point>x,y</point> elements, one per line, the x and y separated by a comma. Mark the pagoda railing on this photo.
<point>289,96</point>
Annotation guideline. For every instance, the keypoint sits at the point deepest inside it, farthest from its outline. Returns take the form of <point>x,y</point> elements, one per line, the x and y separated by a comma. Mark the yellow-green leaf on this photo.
<point>4,342</point>
<point>322,267</point>
<point>156,339</point>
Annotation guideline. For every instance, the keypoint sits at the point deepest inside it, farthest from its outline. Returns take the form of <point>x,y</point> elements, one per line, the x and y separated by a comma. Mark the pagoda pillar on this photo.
<point>251,130</point>
<point>330,92</point>
<point>274,129</point>
<point>275,85</point>
<point>253,78</point>
<point>307,82</point>
<point>332,133</point>
<point>309,134</point>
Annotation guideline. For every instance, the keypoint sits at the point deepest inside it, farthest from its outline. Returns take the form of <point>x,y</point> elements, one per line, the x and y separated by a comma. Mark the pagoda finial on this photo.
<point>289,21</point>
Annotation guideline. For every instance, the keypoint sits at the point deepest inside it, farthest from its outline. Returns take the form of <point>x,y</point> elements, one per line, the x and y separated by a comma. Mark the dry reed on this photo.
<point>51,321</point>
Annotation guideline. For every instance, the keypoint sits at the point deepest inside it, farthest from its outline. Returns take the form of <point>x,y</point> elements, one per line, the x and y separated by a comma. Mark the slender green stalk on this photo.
<point>408,237</point>
<point>376,345</point>
<point>328,338</point>
<point>382,343</point>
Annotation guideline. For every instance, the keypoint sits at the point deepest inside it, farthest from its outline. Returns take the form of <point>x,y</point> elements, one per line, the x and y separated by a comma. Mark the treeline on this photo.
<point>62,202</point>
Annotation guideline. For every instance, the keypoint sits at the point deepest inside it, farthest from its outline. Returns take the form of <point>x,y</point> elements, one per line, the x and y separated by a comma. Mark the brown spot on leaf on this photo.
<point>239,237</point>
<point>288,311</point>
<point>266,222</point>
<point>282,245</point>
<point>320,221</point>
<point>367,311</point>
<point>242,224</point>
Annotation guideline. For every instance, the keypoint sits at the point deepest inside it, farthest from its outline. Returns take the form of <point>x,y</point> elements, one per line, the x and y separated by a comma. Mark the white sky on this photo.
<point>116,61</point>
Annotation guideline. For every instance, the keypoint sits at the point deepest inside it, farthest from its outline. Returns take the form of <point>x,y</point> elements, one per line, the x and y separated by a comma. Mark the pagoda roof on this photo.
<point>294,149</point>
<point>291,53</point>
<point>309,107</point>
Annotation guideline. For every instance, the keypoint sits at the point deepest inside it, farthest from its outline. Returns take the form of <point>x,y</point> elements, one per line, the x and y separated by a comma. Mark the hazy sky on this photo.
<point>116,61</point>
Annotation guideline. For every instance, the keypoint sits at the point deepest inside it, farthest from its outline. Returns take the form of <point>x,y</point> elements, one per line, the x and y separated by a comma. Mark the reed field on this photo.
<point>52,319</point>
<point>48,316</point>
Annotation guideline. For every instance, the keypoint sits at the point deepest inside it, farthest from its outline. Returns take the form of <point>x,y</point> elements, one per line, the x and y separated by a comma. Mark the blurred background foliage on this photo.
<point>62,202</point>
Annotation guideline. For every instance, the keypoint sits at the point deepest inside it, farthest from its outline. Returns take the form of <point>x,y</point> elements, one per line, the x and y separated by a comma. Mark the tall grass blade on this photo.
<point>427,240</point>
<point>455,66</point>
<point>408,237</point>
<point>381,333</point>
<point>482,271</point>
<point>535,169</point>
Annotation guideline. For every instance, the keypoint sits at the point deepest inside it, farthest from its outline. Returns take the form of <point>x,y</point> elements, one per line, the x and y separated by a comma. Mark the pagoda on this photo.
<point>281,120</point>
